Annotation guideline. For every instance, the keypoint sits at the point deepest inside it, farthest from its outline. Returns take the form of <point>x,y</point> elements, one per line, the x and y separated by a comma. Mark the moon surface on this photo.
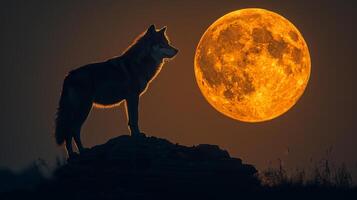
<point>252,65</point>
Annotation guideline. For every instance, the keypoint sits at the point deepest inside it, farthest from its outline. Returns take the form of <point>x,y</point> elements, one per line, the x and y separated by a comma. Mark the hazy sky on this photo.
<point>42,40</point>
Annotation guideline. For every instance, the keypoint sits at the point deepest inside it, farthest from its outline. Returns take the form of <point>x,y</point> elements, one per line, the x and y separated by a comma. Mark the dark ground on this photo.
<point>154,168</point>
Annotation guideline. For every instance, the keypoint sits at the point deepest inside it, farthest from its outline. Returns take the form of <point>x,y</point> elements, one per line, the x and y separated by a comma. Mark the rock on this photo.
<point>150,167</point>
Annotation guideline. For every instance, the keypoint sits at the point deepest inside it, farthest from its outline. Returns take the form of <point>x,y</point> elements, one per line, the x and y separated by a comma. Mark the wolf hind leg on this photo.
<point>83,114</point>
<point>69,147</point>
<point>77,140</point>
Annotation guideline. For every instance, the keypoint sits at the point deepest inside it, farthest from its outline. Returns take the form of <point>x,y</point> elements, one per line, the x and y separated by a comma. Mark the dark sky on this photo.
<point>42,40</point>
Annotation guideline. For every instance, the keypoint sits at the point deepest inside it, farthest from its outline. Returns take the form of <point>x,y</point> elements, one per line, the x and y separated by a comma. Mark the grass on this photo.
<point>324,174</point>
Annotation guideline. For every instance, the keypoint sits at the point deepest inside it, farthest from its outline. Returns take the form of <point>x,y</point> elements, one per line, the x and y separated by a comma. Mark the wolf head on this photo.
<point>159,44</point>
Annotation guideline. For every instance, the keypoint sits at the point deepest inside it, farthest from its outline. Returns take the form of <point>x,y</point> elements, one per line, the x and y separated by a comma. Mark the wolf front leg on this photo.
<point>132,108</point>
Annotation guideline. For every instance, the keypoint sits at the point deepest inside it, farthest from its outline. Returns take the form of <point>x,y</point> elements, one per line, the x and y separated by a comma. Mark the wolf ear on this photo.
<point>163,30</point>
<point>151,29</point>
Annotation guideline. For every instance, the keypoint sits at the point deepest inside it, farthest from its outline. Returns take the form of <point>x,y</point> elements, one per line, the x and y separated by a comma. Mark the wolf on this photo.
<point>106,84</point>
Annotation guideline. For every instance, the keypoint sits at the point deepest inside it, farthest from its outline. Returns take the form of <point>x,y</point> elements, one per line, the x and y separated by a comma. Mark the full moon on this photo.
<point>252,65</point>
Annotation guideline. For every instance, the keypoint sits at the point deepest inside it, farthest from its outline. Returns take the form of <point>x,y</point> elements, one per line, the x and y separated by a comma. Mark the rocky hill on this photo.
<point>154,168</point>
<point>151,168</point>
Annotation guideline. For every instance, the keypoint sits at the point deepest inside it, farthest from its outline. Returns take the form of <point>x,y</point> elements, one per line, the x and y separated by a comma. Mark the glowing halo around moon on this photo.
<point>252,65</point>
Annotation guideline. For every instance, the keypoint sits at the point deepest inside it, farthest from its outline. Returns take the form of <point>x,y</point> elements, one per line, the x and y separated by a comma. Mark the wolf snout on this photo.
<point>173,52</point>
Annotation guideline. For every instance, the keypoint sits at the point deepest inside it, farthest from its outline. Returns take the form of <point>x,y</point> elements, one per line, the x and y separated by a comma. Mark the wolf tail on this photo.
<point>63,115</point>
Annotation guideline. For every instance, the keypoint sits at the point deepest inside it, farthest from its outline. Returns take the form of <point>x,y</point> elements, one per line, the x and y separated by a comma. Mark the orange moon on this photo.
<point>252,65</point>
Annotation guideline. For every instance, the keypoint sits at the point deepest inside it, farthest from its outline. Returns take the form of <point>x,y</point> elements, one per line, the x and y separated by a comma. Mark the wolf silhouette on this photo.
<point>107,84</point>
